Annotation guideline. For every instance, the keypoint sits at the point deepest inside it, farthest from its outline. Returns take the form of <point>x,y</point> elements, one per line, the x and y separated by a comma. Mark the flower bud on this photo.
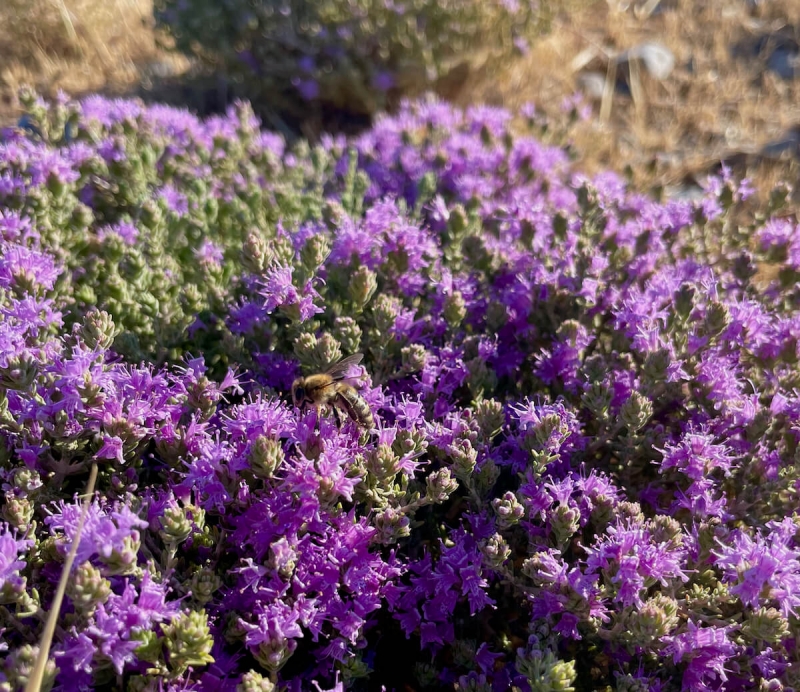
<point>496,551</point>
<point>266,456</point>
<point>124,560</point>
<point>411,442</point>
<point>473,682</point>
<point>304,348</point>
<point>630,511</point>
<point>413,358</point>
<point>382,462</point>
<point>19,373</point>
<point>478,256</point>
<point>439,485</point>
<point>391,525</point>
<point>481,377</point>
<point>490,417</point>
<point>537,568</point>
<point>282,557</point>
<point>458,221</point>
<point>384,312</point>
<point>347,333</point>
<point>496,316</point>
<point>274,652</point>
<point>5,419</point>
<point>354,668</point>
<point>189,641</point>
<point>256,254</point>
<point>767,625</point>
<point>629,683</point>
<point>426,674</point>
<point>255,682</point>
<point>602,512</point>
<point>771,685</point>
<point>544,672</point>
<point>717,318</point>
<point>139,683</point>
<point>327,351</point>
<point>282,250</point>
<point>549,433</point>
<point>666,529</point>
<point>192,300</point>
<point>333,213</point>
<point>509,510</point>
<point>656,364</point>
<point>486,477</point>
<point>151,215</point>
<point>26,480</point>
<point>176,527</point>
<point>203,584</point>
<point>363,284</point>
<point>314,252</point>
<point>564,522</point>
<point>655,618</point>
<point>455,309</point>
<point>19,666</point>
<point>88,589</point>
<point>426,187</point>
<point>98,329</point>
<point>635,412</point>
<point>684,300</point>
<point>27,605</point>
<point>597,398</point>
<point>18,511</point>
<point>463,459</point>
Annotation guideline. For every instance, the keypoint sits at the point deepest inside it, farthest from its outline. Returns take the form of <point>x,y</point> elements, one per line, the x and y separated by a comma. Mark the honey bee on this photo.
<point>327,389</point>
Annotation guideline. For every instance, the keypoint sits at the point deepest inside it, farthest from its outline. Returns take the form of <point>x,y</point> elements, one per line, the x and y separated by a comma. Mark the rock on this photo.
<point>592,84</point>
<point>785,61</point>
<point>161,69</point>
<point>777,51</point>
<point>686,192</point>
<point>788,144</point>
<point>656,58</point>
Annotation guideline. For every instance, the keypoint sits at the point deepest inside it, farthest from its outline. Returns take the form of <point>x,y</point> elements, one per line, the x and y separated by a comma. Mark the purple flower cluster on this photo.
<point>583,469</point>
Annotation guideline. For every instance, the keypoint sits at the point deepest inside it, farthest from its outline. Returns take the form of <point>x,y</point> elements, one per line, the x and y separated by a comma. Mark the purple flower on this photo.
<point>697,456</point>
<point>26,268</point>
<point>108,533</point>
<point>10,564</point>
<point>706,650</point>
<point>174,200</point>
<point>632,560</point>
<point>762,568</point>
<point>308,88</point>
<point>127,231</point>
<point>116,622</point>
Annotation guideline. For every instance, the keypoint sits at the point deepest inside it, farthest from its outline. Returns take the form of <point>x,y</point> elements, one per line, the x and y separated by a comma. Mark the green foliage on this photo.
<point>347,53</point>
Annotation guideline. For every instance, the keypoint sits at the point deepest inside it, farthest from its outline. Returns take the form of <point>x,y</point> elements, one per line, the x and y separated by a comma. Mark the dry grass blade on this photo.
<point>37,674</point>
<point>608,91</point>
<point>80,46</point>
<point>637,93</point>
<point>67,20</point>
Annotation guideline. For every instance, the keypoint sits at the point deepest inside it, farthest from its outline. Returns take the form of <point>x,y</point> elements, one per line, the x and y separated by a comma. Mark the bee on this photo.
<point>328,389</point>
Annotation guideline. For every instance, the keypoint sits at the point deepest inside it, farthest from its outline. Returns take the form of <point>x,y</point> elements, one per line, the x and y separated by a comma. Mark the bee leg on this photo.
<point>317,416</point>
<point>341,417</point>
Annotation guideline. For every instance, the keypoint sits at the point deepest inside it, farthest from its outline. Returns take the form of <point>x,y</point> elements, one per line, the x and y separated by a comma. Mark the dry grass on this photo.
<point>714,106</point>
<point>79,46</point>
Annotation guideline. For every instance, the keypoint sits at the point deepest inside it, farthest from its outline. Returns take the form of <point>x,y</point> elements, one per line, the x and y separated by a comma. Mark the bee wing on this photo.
<point>338,370</point>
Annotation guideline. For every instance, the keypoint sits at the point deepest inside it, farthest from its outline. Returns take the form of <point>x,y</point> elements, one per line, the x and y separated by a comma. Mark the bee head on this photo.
<point>298,392</point>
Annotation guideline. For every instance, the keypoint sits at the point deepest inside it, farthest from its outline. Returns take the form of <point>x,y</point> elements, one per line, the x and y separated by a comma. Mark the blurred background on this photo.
<point>663,92</point>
